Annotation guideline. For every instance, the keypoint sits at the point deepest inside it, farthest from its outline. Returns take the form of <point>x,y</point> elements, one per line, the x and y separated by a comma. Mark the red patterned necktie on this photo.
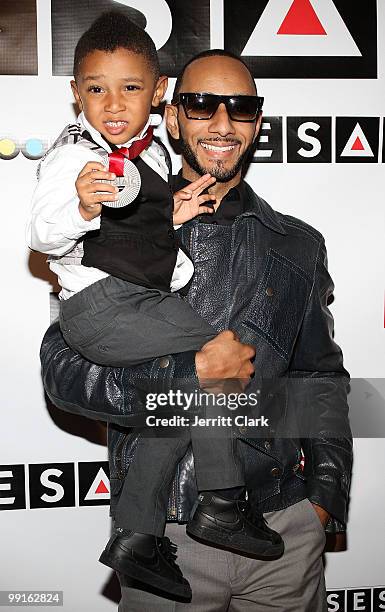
<point>117,157</point>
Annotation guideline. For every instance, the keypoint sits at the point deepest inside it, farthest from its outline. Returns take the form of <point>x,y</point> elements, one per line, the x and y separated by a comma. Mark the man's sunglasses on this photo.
<point>203,106</point>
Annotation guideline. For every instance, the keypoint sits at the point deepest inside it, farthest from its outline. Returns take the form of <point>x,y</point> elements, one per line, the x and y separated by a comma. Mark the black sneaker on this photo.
<point>223,522</point>
<point>146,558</point>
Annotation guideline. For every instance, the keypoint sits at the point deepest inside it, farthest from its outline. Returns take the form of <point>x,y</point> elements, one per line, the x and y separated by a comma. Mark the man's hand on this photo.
<point>323,515</point>
<point>87,186</point>
<point>224,357</point>
<point>188,203</point>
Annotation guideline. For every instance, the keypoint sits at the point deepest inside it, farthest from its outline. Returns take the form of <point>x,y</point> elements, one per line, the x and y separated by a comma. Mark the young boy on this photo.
<point>116,268</point>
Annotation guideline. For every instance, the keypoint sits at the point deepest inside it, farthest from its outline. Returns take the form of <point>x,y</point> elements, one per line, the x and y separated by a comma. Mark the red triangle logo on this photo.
<point>357,146</point>
<point>301,19</point>
<point>101,488</point>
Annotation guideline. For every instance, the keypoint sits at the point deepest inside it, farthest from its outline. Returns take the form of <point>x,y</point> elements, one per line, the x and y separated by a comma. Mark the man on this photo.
<point>263,275</point>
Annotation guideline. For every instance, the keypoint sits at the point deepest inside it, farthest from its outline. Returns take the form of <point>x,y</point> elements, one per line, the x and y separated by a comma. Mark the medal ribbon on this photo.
<point>117,157</point>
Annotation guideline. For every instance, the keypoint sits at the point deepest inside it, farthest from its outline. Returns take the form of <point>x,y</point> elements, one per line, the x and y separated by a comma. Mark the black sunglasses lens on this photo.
<point>199,107</point>
<point>204,106</point>
<point>242,108</point>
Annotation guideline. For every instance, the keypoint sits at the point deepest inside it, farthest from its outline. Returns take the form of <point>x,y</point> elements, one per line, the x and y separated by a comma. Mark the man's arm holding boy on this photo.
<point>117,395</point>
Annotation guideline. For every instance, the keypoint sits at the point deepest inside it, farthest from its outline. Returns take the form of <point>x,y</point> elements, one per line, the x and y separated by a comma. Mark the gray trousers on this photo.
<point>225,582</point>
<point>142,504</point>
<point>116,323</point>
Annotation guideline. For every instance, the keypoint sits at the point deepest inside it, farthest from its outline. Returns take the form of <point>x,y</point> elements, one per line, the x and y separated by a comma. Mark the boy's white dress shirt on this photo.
<point>55,224</point>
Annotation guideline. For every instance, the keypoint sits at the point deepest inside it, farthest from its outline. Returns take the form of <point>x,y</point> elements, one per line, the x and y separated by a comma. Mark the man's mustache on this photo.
<point>230,141</point>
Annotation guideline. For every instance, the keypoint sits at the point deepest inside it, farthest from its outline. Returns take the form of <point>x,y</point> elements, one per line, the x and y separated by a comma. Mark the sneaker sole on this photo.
<point>131,569</point>
<point>221,538</point>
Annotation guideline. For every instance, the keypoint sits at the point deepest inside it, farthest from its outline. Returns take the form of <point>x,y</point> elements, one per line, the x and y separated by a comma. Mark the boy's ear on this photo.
<point>171,116</point>
<point>160,90</point>
<point>75,91</point>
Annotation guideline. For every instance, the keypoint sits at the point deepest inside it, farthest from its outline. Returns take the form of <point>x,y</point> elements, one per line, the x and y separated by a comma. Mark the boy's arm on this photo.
<point>55,223</point>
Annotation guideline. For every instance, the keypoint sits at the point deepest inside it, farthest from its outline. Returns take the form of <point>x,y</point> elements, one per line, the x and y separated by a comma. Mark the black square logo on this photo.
<point>304,38</point>
<point>52,485</point>
<point>269,148</point>
<point>383,142</point>
<point>309,139</point>
<point>336,601</point>
<point>18,37</point>
<point>94,484</point>
<point>358,599</point>
<point>379,599</point>
<point>178,29</point>
<point>12,487</point>
<point>357,139</point>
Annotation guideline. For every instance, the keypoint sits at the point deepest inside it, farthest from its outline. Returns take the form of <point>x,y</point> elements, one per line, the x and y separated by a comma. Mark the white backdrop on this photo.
<point>58,547</point>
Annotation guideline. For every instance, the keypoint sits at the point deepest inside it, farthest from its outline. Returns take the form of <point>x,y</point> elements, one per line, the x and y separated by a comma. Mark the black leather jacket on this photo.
<point>266,278</point>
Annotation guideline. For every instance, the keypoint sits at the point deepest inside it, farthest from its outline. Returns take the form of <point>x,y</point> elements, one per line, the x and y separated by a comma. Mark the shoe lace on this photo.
<point>169,549</point>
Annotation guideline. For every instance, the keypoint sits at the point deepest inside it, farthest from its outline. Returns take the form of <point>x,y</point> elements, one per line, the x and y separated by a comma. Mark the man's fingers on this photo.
<point>247,370</point>
<point>183,194</point>
<point>205,209</point>
<point>206,198</point>
<point>248,351</point>
<point>227,334</point>
<point>202,183</point>
<point>196,187</point>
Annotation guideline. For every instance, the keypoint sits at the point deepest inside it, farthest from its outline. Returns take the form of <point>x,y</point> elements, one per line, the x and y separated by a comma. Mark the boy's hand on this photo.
<point>188,203</point>
<point>87,186</point>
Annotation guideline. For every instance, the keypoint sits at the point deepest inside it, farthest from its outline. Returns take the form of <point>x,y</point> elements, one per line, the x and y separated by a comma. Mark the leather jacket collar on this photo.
<point>256,207</point>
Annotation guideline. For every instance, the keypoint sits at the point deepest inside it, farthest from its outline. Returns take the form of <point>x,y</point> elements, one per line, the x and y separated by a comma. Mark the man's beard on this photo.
<point>217,169</point>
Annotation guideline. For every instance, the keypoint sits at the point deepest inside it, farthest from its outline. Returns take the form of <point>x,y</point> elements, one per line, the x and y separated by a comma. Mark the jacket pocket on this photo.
<point>277,309</point>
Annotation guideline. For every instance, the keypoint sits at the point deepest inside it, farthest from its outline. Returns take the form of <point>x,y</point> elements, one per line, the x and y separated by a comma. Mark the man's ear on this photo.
<point>77,97</point>
<point>171,116</point>
<point>160,90</point>
<point>258,125</point>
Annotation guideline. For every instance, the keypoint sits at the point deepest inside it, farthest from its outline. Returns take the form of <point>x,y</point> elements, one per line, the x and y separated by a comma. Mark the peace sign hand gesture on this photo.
<point>188,203</point>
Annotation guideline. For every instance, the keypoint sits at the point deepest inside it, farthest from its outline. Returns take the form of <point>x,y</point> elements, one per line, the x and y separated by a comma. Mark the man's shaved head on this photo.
<point>210,53</point>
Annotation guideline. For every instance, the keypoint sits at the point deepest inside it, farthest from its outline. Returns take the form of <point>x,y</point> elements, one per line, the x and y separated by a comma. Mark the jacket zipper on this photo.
<point>172,506</point>
<point>120,448</point>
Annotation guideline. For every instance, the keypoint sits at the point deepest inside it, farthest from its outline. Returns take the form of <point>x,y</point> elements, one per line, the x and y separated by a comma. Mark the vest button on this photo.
<point>267,445</point>
<point>269,291</point>
<point>164,362</point>
<point>275,472</point>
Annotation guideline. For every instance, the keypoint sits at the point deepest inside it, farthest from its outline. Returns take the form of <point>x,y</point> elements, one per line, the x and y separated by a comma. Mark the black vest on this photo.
<point>137,243</point>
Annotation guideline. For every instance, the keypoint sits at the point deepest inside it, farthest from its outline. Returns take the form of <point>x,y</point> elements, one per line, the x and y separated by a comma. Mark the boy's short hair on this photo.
<point>113,30</point>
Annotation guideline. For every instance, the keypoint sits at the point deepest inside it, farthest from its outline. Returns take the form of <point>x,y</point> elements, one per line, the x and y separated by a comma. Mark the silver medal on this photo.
<point>128,185</point>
